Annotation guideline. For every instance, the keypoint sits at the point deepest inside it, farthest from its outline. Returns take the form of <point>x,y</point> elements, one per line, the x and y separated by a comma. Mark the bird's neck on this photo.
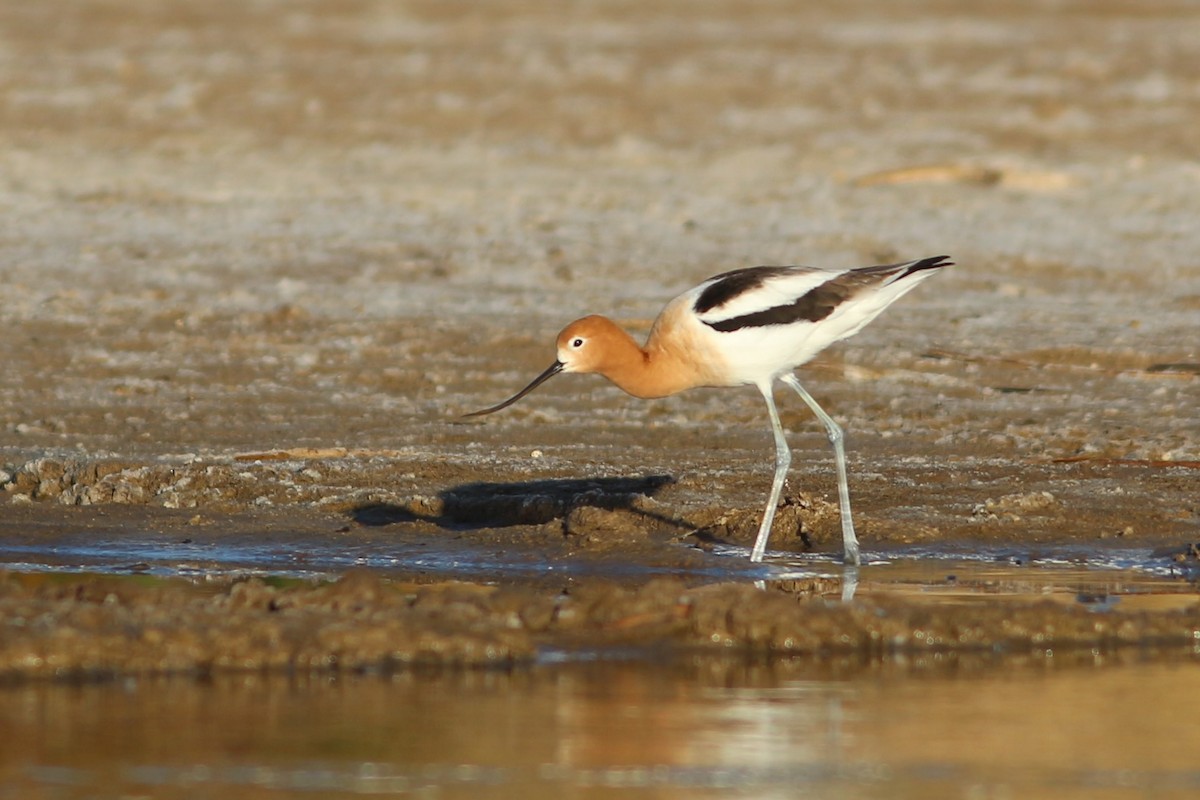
<point>646,372</point>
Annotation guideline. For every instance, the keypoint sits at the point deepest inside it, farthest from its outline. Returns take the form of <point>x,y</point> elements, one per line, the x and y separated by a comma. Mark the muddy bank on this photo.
<point>92,627</point>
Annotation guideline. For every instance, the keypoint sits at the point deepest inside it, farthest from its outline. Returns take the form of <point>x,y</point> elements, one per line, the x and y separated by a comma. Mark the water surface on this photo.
<point>956,726</point>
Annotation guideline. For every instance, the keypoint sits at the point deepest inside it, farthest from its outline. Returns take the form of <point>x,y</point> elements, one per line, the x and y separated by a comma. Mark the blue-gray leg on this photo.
<point>783,459</point>
<point>849,540</point>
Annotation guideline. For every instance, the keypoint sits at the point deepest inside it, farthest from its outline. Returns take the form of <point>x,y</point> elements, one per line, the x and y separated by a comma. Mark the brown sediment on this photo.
<point>81,627</point>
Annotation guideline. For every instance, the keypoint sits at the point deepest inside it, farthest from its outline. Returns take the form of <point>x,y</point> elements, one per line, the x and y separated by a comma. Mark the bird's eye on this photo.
<point>577,343</point>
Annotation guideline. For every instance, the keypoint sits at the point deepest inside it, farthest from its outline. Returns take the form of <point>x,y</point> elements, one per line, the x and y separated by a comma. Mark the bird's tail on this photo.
<point>911,267</point>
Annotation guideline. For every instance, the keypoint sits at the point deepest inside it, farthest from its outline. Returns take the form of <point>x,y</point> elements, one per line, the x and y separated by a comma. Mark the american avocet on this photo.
<point>750,326</point>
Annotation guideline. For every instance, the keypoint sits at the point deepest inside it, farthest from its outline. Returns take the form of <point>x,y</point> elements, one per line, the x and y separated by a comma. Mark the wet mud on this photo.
<point>100,627</point>
<point>258,261</point>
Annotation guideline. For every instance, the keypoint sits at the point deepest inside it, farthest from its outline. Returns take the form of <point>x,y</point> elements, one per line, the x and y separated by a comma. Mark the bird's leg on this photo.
<point>783,459</point>
<point>849,540</point>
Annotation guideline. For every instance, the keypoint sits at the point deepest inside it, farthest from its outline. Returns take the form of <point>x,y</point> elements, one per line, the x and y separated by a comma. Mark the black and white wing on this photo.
<point>764,296</point>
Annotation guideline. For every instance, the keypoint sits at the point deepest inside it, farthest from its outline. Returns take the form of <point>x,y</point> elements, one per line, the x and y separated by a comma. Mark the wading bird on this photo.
<point>750,326</point>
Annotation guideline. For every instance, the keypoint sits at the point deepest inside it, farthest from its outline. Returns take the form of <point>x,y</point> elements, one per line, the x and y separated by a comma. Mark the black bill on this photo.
<point>553,370</point>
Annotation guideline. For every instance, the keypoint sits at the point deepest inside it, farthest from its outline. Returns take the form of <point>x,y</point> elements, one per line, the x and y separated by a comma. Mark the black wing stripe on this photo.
<point>812,306</point>
<point>729,285</point>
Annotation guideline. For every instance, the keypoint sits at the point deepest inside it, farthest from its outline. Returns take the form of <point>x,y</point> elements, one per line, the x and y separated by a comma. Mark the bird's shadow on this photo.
<point>496,505</point>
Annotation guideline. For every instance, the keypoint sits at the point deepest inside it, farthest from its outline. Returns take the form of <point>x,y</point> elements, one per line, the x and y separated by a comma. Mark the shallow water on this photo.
<point>236,548</point>
<point>707,727</point>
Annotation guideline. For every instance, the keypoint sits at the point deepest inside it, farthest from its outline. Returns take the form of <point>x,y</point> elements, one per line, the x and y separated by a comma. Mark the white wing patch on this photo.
<point>779,289</point>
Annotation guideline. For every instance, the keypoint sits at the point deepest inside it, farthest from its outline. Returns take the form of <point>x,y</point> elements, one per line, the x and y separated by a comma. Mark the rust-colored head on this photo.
<point>583,346</point>
<point>591,344</point>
